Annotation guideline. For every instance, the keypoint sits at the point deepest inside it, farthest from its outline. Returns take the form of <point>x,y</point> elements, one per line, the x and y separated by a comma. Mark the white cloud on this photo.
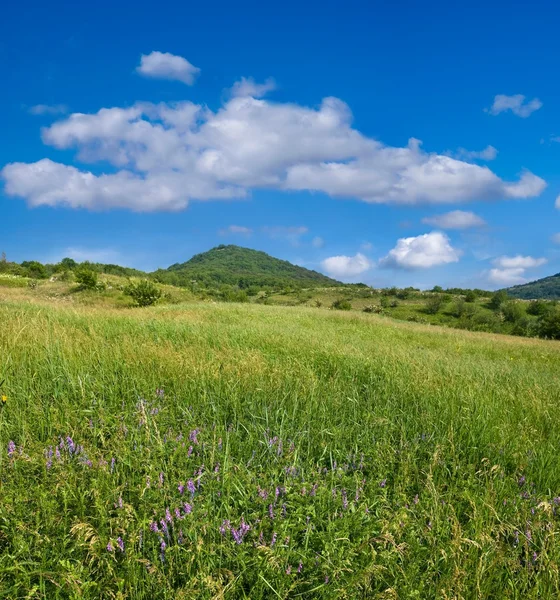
<point>292,234</point>
<point>421,252</point>
<point>366,246</point>
<point>456,219</point>
<point>47,109</point>
<point>516,104</point>
<point>518,262</point>
<point>346,266</point>
<point>557,203</point>
<point>163,65</point>
<point>511,270</point>
<point>236,230</point>
<point>317,242</point>
<point>247,87</point>
<point>489,153</point>
<point>556,238</point>
<point>164,155</point>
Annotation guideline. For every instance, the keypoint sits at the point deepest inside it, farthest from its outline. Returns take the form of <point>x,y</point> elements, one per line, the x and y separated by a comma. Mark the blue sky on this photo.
<point>395,144</point>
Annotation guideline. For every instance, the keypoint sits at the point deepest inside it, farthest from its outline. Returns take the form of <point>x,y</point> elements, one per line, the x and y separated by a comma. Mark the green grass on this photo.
<point>411,461</point>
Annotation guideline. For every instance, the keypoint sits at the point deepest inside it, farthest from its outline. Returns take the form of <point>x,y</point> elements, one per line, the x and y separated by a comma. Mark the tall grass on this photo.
<point>243,451</point>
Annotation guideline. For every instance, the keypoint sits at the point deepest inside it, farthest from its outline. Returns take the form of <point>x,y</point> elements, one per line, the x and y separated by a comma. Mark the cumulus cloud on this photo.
<point>236,230</point>
<point>421,252</point>
<point>489,153</point>
<point>247,87</point>
<point>346,266</point>
<point>516,104</point>
<point>511,270</point>
<point>162,156</point>
<point>48,109</point>
<point>456,219</point>
<point>163,65</point>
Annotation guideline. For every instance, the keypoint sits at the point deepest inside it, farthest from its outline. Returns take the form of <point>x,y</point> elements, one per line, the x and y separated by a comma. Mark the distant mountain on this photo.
<point>547,288</point>
<point>242,267</point>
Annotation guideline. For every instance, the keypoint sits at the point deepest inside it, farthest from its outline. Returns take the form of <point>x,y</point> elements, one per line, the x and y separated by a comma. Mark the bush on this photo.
<point>434,304</point>
<point>341,304</point>
<point>470,296</point>
<point>498,298</point>
<point>513,311</point>
<point>371,308</point>
<point>538,307</point>
<point>549,324</point>
<point>86,279</point>
<point>144,293</point>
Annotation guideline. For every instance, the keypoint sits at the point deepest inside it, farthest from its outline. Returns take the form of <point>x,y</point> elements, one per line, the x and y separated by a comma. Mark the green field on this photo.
<point>207,450</point>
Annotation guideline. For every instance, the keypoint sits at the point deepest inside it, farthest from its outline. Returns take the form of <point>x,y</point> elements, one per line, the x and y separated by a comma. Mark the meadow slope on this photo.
<point>243,451</point>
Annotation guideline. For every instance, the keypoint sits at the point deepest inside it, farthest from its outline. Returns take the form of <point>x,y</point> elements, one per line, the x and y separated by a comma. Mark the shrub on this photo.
<point>549,324</point>
<point>513,311</point>
<point>144,293</point>
<point>470,296</point>
<point>434,304</point>
<point>371,308</point>
<point>538,307</point>
<point>341,304</point>
<point>86,279</point>
<point>498,298</point>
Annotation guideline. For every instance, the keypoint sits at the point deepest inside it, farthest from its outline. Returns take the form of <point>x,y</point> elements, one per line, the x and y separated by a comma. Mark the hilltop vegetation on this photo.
<point>241,267</point>
<point>546,288</point>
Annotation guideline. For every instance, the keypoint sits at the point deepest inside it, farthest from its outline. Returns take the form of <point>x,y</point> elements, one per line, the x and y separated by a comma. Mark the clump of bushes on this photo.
<point>144,293</point>
<point>86,279</point>
<point>434,304</point>
<point>372,308</point>
<point>341,304</point>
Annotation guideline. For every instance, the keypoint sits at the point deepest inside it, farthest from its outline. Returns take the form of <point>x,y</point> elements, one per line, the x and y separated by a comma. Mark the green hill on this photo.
<point>547,288</point>
<point>244,267</point>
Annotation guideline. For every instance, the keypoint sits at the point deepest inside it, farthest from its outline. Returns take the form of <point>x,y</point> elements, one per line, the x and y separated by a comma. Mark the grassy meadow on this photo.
<point>207,450</point>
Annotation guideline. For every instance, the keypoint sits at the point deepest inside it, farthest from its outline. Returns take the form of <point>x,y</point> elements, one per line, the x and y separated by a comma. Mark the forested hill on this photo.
<point>244,267</point>
<point>547,288</point>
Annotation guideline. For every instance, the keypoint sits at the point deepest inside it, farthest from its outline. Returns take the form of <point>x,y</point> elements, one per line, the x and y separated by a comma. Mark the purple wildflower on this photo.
<point>110,547</point>
<point>225,526</point>
<point>181,488</point>
<point>271,512</point>
<point>289,570</point>
<point>120,543</point>
<point>190,451</point>
<point>162,547</point>
<point>273,540</point>
<point>535,557</point>
<point>521,481</point>
<point>187,508</point>
<point>300,567</point>
<point>57,454</point>
<point>239,534</point>
<point>178,514</point>
<point>120,502</point>
<point>284,511</point>
<point>168,516</point>
<point>71,445</point>
<point>383,483</point>
<point>191,487</point>
<point>113,461</point>
<point>262,493</point>
<point>193,436</point>
<point>154,527</point>
<point>314,489</point>
<point>161,479</point>
<point>11,448</point>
